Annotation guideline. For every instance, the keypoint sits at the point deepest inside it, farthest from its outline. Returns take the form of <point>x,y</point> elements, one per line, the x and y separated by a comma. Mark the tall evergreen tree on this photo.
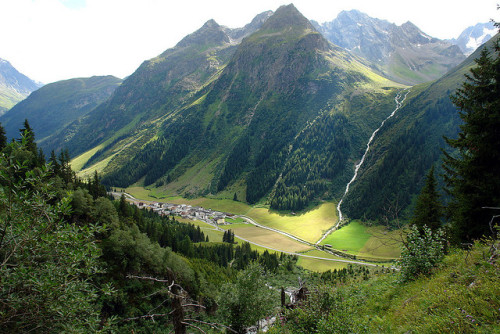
<point>428,209</point>
<point>3,137</point>
<point>65,168</point>
<point>56,167</point>
<point>472,175</point>
<point>29,136</point>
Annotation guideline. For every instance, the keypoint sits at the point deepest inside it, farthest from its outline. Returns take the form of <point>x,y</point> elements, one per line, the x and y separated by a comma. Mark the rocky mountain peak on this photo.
<point>10,77</point>
<point>392,49</point>
<point>353,15</point>
<point>210,33</point>
<point>251,27</point>
<point>285,17</point>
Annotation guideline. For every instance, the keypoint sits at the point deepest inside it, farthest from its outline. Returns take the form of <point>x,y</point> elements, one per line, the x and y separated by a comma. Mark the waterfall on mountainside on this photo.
<point>399,99</point>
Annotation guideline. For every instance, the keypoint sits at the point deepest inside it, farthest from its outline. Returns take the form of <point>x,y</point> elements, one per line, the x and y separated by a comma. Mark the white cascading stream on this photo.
<point>399,99</point>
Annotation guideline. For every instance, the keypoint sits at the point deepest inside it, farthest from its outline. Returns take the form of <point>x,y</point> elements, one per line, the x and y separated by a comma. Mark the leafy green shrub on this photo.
<point>247,300</point>
<point>421,252</point>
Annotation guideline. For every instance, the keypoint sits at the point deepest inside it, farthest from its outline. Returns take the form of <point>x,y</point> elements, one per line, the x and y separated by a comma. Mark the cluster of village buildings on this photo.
<point>187,211</point>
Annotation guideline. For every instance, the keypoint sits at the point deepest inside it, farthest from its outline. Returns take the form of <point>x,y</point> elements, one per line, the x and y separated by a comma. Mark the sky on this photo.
<point>52,40</point>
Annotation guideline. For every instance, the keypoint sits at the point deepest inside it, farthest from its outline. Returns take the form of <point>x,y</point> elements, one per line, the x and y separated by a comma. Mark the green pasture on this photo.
<point>319,265</point>
<point>235,220</point>
<point>318,253</point>
<point>308,226</point>
<point>268,238</point>
<point>374,242</point>
<point>349,238</point>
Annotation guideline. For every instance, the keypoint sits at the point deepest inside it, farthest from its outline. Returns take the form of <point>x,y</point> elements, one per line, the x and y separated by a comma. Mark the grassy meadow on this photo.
<point>374,242</point>
<point>320,265</point>
<point>308,226</point>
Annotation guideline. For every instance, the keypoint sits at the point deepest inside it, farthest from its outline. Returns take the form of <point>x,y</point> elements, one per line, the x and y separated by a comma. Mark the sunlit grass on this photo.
<point>320,265</point>
<point>308,226</point>
<point>351,237</point>
<point>269,238</point>
<point>78,162</point>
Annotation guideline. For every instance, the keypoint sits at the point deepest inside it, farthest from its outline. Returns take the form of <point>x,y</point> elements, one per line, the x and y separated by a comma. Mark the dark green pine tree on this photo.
<point>123,207</point>
<point>65,168</point>
<point>428,209</point>
<point>472,170</point>
<point>3,138</point>
<point>56,167</point>
<point>29,136</point>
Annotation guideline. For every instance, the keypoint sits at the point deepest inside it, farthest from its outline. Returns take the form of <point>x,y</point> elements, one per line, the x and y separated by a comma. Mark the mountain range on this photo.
<point>14,86</point>
<point>277,112</point>
<point>56,105</point>
<point>473,37</point>
<point>402,53</point>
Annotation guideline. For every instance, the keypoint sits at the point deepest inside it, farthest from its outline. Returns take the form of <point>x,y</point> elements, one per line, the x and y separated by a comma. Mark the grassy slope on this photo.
<point>308,226</point>
<point>462,296</point>
<point>290,245</point>
<point>320,265</point>
<point>9,98</point>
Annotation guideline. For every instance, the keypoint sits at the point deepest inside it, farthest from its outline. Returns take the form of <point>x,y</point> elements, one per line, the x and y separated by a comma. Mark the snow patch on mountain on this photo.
<point>473,37</point>
<point>474,43</point>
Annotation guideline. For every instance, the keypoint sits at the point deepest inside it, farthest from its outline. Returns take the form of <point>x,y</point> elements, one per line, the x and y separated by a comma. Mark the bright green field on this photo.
<point>370,242</point>
<point>307,263</point>
<point>269,238</point>
<point>351,237</point>
<point>320,265</point>
<point>235,220</point>
<point>308,226</point>
<point>207,229</point>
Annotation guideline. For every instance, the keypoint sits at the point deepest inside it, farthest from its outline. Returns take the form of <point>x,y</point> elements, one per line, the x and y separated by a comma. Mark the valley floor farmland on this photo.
<point>354,239</point>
